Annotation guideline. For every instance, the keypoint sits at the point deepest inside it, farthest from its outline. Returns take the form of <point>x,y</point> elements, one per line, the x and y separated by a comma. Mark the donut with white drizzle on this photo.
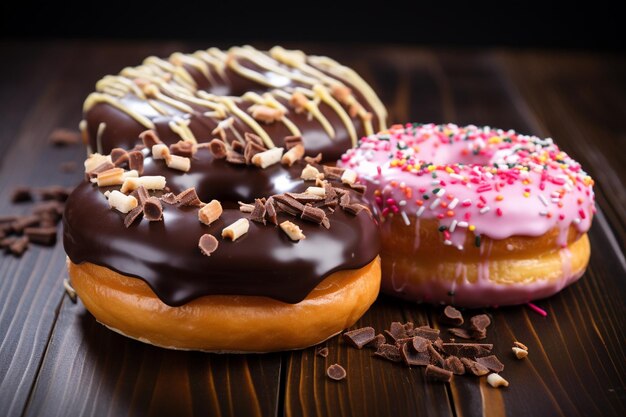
<point>475,216</point>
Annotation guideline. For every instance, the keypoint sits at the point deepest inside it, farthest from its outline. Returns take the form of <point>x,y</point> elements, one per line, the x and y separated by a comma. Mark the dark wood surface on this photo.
<point>55,360</point>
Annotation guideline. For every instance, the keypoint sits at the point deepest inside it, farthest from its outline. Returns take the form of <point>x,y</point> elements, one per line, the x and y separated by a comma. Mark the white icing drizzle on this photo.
<point>95,98</point>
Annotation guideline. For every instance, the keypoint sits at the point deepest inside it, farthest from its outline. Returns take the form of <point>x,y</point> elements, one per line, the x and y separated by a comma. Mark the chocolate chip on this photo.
<point>152,209</point>
<point>452,316</point>
<point>462,333</point>
<point>396,331</point>
<point>321,351</point>
<point>491,362</point>
<point>182,148</point>
<point>149,138</point>
<point>336,372</point>
<point>250,150</point>
<point>235,158</point>
<point>360,337</point>
<point>427,333</point>
<point>19,246</point>
<point>270,211</point>
<point>467,350</point>
<point>132,215</point>
<point>21,194</point>
<point>333,173</point>
<point>438,374</point>
<point>64,137</point>
<point>420,344</point>
<point>218,149</point>
<point>377,341</point>
<point>474,367</point>
<point>435,357</point>
<point>258,212</point>
<point>291,141</point>
<point>312,214</point>
<point>389,352</point>
<point>189,198</point>
<point>119,156</point>
<point>454,365</point>
<point>252,138</point>
<point>135,161</point>
<point>41,235</point>
<point>411,357</point>
<point>207,244</point>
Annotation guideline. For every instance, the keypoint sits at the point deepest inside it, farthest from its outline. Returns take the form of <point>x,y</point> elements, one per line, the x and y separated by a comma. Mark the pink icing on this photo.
<point>488,182</point>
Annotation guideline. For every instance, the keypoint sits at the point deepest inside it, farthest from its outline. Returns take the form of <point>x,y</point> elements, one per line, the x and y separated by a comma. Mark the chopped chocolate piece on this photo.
<point>152,209</point>
<point>258,212</point>
<point>55,192</point>
<point>341,191</point>
<point>435,357</point>
<point>252,138</point>
<point>250,150</point>
<point>286,209</point>
<point>291,141</point>
<point>389,352</point>
<point>336,372</point>
<point>520,345</point>
<point>235,158</point>
<point>169,198</point>
<point>182,148</point>
<point>64,137</point>
<point>141,194</point>
<point>238,147</point>
<point>404,341</point>
<point>293,204</point>
<point>132,215</point>
<point>21,194</point>
<point>427,333</point>
<point>333,173</point>
<point>454,365</point>
<point>420,344</point>
<point>135,161</point>
<point>491,362</point>
<point>313,160</point>
<point>474,367</point>
<point>438,374</point>
<point>207,244</point>
<point>377,341</point>
<point>330,193</point>
<point>312,214</point>
<point>105,166</point>
<point>396,331</point>
<point>344,200</point>
<point>119,156</point>
<point>41,235</point>
<point>411,357</point>
<point>218,149</point>
<point>360,337</point>
<point>480,322</point>
<point>321,351</point>
<point>305,197</point>
<point>452,316</point>
<point>462,333</point>
<point>354,208</point>
<point>68,166</point>
<point>359,188</point>
<point>189,198</point>
<point>23,222</point>
<point>467,350</point>
<point>19,246</point>
<point>270,211</point>
<point>149,138</point>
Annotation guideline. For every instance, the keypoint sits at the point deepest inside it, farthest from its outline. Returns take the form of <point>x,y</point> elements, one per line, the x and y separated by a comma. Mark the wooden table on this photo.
<point>55,360</point>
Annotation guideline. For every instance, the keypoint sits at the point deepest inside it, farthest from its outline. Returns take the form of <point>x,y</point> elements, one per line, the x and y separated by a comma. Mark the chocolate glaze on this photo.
<point>262,262</point>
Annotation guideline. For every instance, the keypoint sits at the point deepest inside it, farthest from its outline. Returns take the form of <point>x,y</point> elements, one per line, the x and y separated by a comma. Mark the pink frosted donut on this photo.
<point>475,216</point>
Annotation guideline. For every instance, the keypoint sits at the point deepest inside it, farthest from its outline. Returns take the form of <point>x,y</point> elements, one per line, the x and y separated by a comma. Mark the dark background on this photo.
<point>520,24</point>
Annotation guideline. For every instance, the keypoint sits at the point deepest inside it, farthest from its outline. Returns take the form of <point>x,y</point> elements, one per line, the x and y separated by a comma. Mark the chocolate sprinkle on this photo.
<point>336,372</point>
<point>452,316</point>
<point>411,357</point>
<point>152,209</point>
<point>360,337</point>
<point>207,244</point>
<point>454,365</point>
<point>438,374</point>
<point>389,352</point>
<point>491,362</point>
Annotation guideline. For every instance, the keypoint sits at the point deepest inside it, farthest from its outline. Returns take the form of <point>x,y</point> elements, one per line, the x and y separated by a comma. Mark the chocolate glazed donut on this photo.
<point>202,224</point>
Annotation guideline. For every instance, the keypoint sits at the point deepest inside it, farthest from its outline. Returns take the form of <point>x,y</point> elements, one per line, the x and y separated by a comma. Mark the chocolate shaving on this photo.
<point>336,372</point>
<point>152,209</point>
<point>218,149</point>
<point>312,214</point>
<point>291,141</point>
<point>288,204</point>
<point>270,211</point>
<point>305,198</point>
<point>409,328</point>
<point>344,200</point>
<point>354,208</point>
<point>480,322</point>
<point>333,173</point>
<point>467,350</point>
<point>452,316</point>
<point>474,367</point>
<point>149,138</point>
<point>454,365</point>
<point>389,352</point>
<point>19,246</point>
<point>41,235</point>
<point>438,374</point>
<point>258,212</point>
<point>169,198</point>
<point>119,156</point>
<point>182,148</point>
<point>359,188</point>
<point>141,194</point>
<point>360,337</point>
<point>491,362</point>
<point>189,198</point>
<point>377,341</point>
<point>250,150</point>
<point>435,357</point>
<point>207,244</point>
<point>237,147</point>
<point>105,166</point>
<point>330,194</point>
<point>64,137</point>
<point>427,333</point>
<point>313,160</point>
<point>252,138</point>
<point>462,333</point>
<point>396,331</point>
<point>132,215</point>
<point>235,158</point>
<point>420,344</point>
<point>135,161</point>
<point>326,222</point>
<point>21,194</point>
<point>321,351</point>
<point>411,357</point>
